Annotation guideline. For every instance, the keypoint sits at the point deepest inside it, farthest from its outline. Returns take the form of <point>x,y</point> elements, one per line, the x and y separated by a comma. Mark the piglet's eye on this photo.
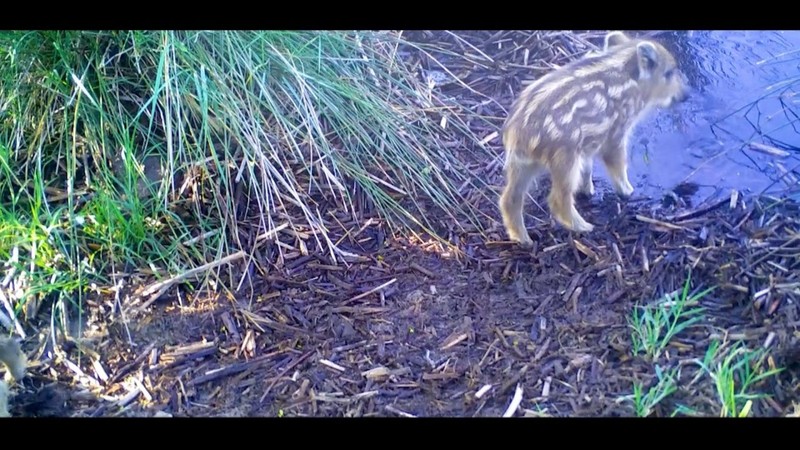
<point>668,74</point>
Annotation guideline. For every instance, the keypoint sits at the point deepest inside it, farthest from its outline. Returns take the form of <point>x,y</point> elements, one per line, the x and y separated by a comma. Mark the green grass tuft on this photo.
<point>654,325</point>
<point>736,371</point>
<point>122,150</point>
<point>643,402</point>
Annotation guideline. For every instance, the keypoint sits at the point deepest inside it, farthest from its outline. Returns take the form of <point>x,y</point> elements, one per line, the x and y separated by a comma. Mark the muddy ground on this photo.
<point>409,330</point>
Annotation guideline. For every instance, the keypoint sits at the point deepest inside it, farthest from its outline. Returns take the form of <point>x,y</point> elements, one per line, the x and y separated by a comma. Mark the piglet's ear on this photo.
<point>647,54</point>
<point>613,39</point>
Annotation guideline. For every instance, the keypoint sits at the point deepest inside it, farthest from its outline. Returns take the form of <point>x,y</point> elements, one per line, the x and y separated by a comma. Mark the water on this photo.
<point>704,140</point>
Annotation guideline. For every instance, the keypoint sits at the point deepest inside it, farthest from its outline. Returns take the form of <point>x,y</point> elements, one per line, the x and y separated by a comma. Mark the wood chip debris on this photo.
<point>482,391</point>
<point>394,410</point>
<point>332,365</point>
<point>455,341</point>
<point>546,387</point>
<point>515,401</point>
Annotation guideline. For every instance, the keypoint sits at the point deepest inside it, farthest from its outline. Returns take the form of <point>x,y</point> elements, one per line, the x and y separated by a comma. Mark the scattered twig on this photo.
<point>515,401</point>
<point>392,409</point>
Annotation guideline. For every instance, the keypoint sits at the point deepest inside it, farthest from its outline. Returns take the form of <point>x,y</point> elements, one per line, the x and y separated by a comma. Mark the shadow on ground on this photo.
<point>412,332</point>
